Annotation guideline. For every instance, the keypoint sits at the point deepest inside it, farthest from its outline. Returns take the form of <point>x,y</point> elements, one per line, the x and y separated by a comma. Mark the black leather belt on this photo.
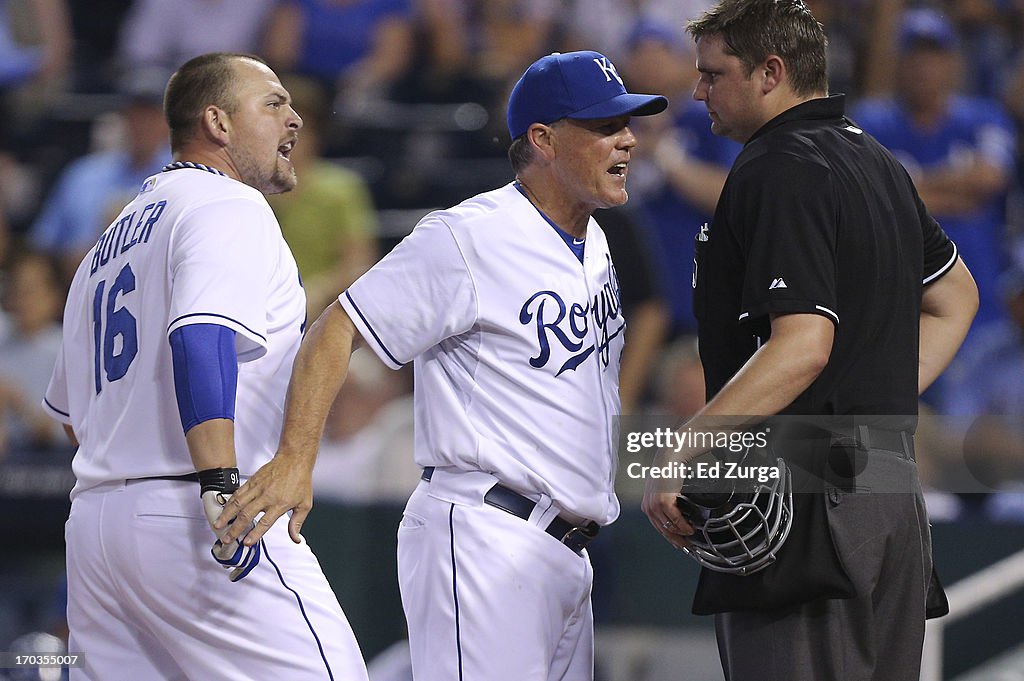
<point>576,537</point>
<point>872,439</point>
<point>861,437</point>
<point>187,477</point>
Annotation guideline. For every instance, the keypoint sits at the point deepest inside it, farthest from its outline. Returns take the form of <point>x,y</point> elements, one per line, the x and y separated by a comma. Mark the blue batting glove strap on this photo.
<point>242,562</point>
<point>235,556</point>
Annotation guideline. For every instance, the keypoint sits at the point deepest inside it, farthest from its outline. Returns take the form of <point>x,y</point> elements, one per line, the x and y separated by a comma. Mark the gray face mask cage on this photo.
<point>744,533</point>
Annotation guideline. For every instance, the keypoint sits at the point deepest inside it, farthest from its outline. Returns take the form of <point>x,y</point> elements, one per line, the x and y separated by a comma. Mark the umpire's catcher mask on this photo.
<point>741,523</point>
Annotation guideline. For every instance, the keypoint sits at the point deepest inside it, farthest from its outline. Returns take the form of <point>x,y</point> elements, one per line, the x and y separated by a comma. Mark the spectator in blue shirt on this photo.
<point>358,47</point>
<point>989,378</point>
<point>959,149</point>
<point>33,296</point>
<point>676,186</point>
<point>91,190</point>
<point>986,400</point>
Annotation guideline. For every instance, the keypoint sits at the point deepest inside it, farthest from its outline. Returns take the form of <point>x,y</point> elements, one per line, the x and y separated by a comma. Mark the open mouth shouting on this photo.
<point>285,150</point>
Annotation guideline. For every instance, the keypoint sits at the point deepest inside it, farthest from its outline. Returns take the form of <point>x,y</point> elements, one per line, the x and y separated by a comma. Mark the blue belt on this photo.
<point>576,537</point>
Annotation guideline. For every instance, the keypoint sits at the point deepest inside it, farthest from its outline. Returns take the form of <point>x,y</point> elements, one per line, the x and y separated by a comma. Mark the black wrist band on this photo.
<point>224,480</point>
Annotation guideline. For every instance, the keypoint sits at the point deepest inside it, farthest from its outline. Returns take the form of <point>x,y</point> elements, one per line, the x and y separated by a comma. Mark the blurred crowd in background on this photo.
<point>403,104</point>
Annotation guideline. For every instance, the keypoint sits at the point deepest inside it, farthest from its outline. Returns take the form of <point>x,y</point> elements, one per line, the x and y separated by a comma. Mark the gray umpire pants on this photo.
<point>880,531</point>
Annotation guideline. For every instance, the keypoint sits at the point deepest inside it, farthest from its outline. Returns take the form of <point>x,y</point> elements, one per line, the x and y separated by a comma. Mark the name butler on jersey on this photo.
<point>139,267</point>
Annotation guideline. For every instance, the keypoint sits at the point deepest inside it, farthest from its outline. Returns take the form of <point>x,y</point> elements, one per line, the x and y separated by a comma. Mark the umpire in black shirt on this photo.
<point>822,287</point>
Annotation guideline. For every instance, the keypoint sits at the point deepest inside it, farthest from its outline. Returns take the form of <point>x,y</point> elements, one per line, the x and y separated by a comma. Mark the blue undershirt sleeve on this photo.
<point>205,373</point>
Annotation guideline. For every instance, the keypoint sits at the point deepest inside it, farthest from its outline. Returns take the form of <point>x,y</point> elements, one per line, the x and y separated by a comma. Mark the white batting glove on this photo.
<point>216,487</point>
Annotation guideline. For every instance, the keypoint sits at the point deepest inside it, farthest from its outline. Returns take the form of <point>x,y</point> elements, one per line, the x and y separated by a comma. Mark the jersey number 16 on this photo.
<point>109,323</point>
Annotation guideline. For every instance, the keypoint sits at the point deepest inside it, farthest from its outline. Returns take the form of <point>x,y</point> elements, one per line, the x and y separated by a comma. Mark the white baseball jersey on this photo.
<point>517,347</point>
<point>193,247</point>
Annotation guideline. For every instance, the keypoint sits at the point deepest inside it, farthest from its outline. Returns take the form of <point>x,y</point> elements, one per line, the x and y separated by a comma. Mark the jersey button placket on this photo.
<point>601,378</point>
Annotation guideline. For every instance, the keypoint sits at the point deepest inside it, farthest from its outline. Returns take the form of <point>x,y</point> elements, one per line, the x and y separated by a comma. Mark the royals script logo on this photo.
<point>569,325</point>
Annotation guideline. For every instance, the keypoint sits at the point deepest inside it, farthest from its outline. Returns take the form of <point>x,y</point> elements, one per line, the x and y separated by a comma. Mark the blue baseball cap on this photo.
<point>579,85</point>
<point>654,30</point>
<point>927,27</point>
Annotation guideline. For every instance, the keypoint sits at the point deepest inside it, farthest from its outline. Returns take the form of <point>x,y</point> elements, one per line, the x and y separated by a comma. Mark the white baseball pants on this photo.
<point>146,600</point>
<point>489,596</point>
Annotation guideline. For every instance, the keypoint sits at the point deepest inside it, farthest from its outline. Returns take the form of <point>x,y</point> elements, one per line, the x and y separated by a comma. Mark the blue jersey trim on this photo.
<point>178,165</point>
<point>302,609</point>
<point>455,590</point>
<point>575,245</point>
<point>50,405</point>
<point>372,332</point>
<point>218,316</point>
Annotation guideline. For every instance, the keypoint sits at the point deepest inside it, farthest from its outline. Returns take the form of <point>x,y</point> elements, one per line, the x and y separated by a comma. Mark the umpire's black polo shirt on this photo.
<point>817,217</point>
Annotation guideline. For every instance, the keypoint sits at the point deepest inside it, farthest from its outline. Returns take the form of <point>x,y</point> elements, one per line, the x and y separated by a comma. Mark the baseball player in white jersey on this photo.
<point>179,334</point>
<point>508,305</point>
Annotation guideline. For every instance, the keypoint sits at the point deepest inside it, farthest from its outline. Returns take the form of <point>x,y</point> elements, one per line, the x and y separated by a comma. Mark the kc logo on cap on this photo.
<point>581,85</point>
<point>608,69</point>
